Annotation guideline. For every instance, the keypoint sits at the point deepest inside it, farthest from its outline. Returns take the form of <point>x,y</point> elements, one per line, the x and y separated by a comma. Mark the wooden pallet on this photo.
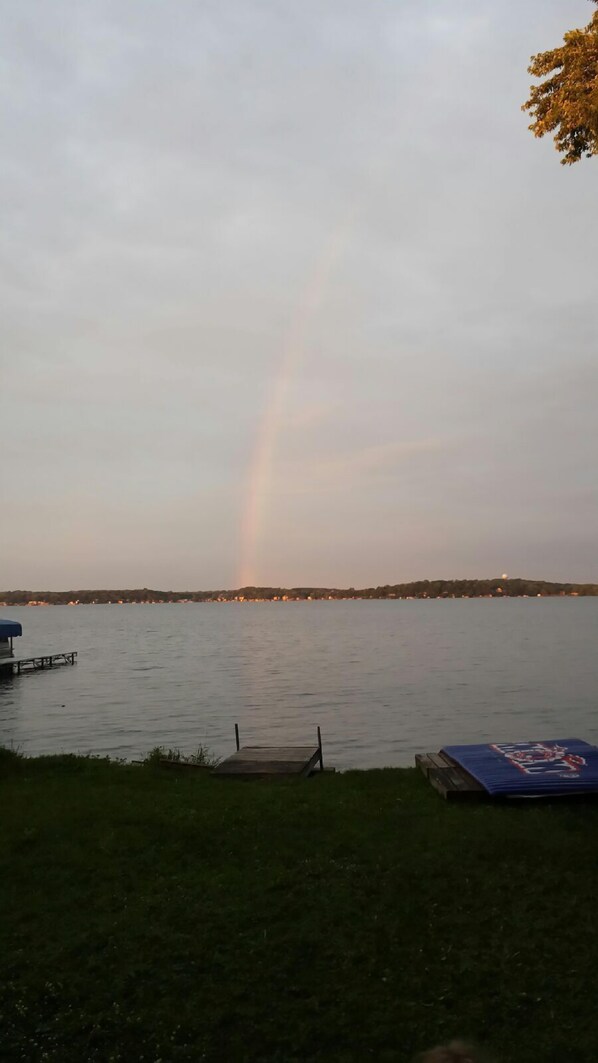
<point>254,762</point>
<point>449,778</point>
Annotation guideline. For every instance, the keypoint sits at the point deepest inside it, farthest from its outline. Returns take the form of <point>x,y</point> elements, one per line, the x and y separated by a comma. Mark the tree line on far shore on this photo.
<point>441,588</point>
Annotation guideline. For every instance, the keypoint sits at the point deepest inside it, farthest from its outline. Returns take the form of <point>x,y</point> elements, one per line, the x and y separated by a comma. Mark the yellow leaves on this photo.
<point>566,104</point>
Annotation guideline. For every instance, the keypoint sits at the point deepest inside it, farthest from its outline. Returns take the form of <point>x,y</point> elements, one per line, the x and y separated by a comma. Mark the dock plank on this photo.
<point>449,778</point>
<point>292,756</point>
<point>424,762</point>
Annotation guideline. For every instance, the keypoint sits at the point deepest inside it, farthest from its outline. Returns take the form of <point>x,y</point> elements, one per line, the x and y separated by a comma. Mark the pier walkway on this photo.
<point>40,660</point>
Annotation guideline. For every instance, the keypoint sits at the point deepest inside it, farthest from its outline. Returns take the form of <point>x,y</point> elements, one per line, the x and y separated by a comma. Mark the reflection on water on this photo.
<point>383,679</point>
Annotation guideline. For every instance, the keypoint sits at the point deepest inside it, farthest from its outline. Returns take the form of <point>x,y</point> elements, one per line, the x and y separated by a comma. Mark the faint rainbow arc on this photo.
<point>260,469</point>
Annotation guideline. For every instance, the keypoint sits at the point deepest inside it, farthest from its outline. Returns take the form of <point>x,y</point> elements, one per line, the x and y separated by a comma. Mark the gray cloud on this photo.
<point>173,177</point>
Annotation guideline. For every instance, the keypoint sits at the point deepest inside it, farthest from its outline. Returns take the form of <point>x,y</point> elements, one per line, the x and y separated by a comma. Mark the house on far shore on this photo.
<point>9,630</point>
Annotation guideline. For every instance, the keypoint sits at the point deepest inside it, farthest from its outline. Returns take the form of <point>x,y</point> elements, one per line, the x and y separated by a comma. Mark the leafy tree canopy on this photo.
<point>566,103</point>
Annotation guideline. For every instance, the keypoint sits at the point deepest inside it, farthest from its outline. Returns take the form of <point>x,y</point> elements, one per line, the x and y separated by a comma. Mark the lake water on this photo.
<point>383,679</point>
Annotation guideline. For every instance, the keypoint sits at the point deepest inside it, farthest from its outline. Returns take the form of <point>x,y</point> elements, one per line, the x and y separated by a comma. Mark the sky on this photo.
<point>291,296</point>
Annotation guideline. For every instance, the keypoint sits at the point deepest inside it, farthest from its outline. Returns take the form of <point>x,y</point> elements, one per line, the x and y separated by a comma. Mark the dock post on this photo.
<point>320,748</point>
<point>237,737</point>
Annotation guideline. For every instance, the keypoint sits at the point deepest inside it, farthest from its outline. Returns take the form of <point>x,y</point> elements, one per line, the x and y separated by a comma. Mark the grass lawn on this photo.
<point>155,915</point>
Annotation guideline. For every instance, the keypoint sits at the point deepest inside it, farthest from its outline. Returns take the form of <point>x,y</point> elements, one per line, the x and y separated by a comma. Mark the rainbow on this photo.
<point>270,426</point>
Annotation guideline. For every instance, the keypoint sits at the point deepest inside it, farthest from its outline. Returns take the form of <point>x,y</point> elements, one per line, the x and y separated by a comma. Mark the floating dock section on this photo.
<point>260,762</point>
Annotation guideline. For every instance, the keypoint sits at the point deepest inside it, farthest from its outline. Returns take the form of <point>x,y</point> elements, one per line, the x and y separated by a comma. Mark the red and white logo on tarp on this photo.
<point>542,758</point>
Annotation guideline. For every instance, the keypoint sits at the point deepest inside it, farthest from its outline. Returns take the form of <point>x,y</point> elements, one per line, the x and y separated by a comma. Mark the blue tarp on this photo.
<point>547,766</point>
<point>9,629</point>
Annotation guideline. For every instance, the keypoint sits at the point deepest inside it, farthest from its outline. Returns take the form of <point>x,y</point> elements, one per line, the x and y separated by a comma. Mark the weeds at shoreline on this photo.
<point>202,757</point>
<point>11,755</point>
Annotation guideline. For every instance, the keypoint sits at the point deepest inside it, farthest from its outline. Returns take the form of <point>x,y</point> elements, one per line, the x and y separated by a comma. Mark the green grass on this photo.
<point>147,914</point>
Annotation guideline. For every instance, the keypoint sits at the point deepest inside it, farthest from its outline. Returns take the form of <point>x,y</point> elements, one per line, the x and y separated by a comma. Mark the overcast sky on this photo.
<point>290,294</point>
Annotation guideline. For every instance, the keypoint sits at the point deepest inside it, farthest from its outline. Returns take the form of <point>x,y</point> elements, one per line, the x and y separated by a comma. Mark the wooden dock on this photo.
<point>17,665</point>
<point>263,762</point>
<point>449,778</point>
<point>254,762</point>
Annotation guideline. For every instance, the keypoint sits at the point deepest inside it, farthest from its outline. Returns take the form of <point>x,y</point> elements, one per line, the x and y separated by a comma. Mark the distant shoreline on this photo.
<point>419,589</point>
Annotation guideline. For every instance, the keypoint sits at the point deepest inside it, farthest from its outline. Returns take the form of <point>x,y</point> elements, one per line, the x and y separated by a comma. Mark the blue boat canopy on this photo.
<point>520,769</point>
<point>9,629</point>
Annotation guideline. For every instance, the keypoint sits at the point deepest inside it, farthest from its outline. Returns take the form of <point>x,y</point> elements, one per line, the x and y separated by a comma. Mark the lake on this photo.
<point>383,679</point>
